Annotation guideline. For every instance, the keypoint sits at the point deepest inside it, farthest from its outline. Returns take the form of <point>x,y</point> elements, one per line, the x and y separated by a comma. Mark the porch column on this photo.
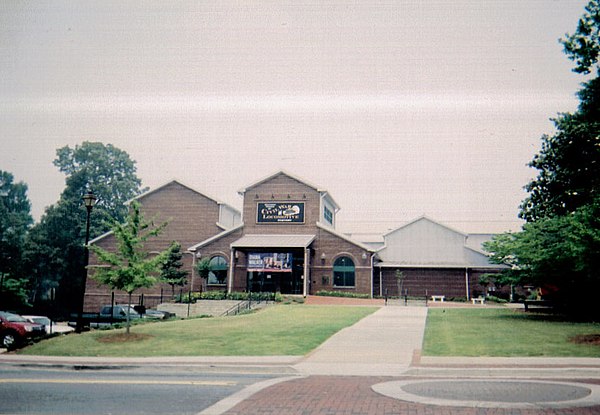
<point>231,269</point>
<point>467,283</point>
<point>306,271</point>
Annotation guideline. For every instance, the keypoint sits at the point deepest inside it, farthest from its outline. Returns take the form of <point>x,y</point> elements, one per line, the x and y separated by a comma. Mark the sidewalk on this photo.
<point>381,352</point>
<point>381,344</point>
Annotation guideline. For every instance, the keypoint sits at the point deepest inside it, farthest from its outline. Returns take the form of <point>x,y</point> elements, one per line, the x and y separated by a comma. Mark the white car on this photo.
<point>50,326</point>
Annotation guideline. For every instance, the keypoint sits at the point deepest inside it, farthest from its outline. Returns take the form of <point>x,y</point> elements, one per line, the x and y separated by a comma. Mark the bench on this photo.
<point>480,300</point>
<point>537,303</point>
<point>435,298</point>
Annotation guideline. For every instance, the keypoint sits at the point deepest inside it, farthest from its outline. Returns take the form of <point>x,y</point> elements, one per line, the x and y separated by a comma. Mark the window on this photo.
<point>343,272</point>
<point>328,215</point>
<point>217,274</point>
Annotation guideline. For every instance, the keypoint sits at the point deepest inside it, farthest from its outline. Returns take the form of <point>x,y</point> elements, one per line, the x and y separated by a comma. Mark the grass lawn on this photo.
<point>504,332</point>
<point>278,330</point>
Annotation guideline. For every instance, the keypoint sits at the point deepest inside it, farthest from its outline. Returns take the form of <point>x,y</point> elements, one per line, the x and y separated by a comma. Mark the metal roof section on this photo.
<point>215,238</point>
<point>273,241</point>
<point>179,182</point>
<point>425,243</point>
<point>424,217</point>
<point>345,237</point>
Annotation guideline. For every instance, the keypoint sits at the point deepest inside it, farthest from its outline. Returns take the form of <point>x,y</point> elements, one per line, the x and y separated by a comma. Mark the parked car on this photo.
<point>16,330</point>
<point>157,314</point>
<point>119,312</point>
<point>51,326</point>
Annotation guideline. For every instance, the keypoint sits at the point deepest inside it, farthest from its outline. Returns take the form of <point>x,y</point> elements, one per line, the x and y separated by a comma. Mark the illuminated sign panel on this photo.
<point>269,262</point>
<point>278,212</point>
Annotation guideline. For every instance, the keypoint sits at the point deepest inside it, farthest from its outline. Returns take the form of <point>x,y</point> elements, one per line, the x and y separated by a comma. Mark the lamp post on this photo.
<point>89,200</point>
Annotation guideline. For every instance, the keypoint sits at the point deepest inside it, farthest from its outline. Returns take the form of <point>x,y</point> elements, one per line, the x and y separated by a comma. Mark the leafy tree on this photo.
<point>105,169</point>
<point>171,271</point>
<point>583,46</point>
<point>54,252</point>
<point>569,161</point>
<point>131,267</point>
<point>561,253</point>
<point>14,294</point>
<point>559,246</point>
<point>15,220</point>
<point>203,267</point>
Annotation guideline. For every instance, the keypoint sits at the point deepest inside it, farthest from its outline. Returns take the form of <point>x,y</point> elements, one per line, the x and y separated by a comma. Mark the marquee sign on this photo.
<point>269,262</point>
<point>278,212</point>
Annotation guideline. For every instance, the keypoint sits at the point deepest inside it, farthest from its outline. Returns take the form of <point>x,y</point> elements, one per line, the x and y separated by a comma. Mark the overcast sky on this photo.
<point>398,108</point>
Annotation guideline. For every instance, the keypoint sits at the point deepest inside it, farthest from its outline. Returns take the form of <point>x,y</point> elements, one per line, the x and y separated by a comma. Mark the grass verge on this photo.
<point>504,332</point>
<point>278,330</point>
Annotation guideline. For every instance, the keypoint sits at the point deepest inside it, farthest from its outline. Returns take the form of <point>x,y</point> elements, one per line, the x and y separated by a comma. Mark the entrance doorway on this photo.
<point>290,282</point>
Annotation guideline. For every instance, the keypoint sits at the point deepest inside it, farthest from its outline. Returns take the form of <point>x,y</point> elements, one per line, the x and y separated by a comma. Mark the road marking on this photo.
<point>124,382</point>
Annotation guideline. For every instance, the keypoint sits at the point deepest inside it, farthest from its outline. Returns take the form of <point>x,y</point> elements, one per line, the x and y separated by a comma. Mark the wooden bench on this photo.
<point>480,300</point>
<point>435,298</point>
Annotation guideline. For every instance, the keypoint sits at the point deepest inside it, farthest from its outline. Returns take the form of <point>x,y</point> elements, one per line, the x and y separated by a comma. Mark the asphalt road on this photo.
<point>121,391</point>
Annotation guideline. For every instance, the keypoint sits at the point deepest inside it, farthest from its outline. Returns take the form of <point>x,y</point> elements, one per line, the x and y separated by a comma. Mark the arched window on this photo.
<point>217,274</point>
<point>343,272</point>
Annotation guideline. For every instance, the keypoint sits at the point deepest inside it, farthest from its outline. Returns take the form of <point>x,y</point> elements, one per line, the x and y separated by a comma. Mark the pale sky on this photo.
<point>398,108</point>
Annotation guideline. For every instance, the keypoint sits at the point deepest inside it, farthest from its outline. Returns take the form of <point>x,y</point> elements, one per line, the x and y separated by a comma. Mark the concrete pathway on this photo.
<point>381,344</point>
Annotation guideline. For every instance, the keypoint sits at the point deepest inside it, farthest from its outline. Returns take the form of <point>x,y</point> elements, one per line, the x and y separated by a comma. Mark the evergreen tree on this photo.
<point>171,271</point>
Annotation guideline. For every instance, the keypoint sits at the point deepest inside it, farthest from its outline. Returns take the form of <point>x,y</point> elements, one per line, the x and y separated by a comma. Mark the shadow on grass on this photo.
<point>547,315</point>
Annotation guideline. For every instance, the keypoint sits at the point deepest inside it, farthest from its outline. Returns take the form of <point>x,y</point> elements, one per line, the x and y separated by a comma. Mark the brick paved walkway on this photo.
<point>337,395</point>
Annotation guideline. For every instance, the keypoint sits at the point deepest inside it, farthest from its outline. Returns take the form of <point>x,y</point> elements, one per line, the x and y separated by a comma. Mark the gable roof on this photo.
<point>149,192</point>
<point>424,218</point>
<point>322,191</point>
<point>345,237</point>
<point>179,182</point>
<point>214,238</point>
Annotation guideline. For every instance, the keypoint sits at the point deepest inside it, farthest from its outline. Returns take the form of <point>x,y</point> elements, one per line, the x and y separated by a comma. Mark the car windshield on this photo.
<point>14,318</point>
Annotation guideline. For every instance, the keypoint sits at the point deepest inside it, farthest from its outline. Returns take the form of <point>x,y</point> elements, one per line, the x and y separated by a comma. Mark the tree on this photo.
<point>559,246</point>
<point>171,271</point>
<point>54,254</point>
<point>583,46</point>
<point>399,281</point>
<point>203,268</point>
<point>569,161</point>
<point>131,267</point>
<point>105,169</point>
<point>15,220</point>
<point>561,252</point>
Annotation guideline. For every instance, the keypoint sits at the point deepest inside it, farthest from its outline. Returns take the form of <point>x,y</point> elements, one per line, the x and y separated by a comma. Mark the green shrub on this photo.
<point>341,294</point>
<point>496,299</point>
<point>222,295</point>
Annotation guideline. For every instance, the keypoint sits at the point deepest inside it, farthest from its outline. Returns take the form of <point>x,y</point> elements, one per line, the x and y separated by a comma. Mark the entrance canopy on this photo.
<point>273,241</point>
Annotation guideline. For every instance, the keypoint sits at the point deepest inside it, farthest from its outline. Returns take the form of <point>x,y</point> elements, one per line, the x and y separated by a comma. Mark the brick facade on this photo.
<point>326,247</point>
<point>206,229</point>
<point>191,217</point>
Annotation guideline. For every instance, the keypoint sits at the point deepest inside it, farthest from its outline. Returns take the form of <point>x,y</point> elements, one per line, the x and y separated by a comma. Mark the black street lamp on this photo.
<point>89,200</point>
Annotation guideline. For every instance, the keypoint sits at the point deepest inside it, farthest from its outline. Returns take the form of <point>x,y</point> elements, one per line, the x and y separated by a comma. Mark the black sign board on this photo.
<point>279,212</point>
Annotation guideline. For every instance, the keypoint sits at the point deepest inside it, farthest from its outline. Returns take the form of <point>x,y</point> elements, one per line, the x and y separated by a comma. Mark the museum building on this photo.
<point>285,240</point>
